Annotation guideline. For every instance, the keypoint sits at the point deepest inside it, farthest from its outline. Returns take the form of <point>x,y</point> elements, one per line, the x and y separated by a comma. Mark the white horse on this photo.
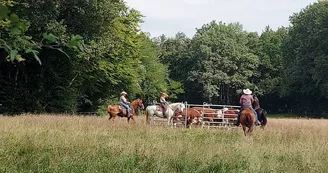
<point>169,113</point>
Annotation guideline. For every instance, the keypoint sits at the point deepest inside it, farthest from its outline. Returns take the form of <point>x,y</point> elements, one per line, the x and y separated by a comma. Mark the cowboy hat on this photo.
<point>164,94</point>
<point>123,92</point>
<point>247,91</point>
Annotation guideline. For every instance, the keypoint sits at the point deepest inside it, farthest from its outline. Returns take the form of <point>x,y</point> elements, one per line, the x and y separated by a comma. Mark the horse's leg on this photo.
<point>149,116</point>
<point>244,129</point>
<point>262,126</point>
<point>264,113</point>
<point>250,129</point>
<point>111,117</point>
<point>132,118</point>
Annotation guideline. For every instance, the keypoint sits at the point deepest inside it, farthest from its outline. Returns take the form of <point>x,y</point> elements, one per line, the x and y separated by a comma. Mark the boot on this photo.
<point>257,123</point>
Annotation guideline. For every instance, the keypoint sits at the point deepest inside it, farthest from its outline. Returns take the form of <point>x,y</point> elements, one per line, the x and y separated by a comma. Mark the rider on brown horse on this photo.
<point>246,101</point>
<point>163,102</point>
<point>125,103</point>
<point>261,113</point>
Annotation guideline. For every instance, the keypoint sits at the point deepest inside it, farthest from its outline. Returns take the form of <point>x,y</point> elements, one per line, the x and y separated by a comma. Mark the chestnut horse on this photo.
<point>118,110</point>
<point>247,119</point>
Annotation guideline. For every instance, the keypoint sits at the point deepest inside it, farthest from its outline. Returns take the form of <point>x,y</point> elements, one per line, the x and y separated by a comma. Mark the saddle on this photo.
<point>122,110</point>
<point>160,108</point>
<point>121,107</point>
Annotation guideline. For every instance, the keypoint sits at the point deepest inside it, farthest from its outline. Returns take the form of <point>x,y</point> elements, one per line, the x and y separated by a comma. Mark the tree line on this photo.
<point>64,56</point>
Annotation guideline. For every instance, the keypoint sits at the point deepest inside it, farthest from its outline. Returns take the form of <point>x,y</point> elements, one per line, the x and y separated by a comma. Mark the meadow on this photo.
<point>59,143</point>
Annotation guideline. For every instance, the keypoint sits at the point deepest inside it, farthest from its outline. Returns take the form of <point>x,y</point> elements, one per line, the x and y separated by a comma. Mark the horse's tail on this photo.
<point>250,120</point>
<point>109,107</point>
<point>264,114</point>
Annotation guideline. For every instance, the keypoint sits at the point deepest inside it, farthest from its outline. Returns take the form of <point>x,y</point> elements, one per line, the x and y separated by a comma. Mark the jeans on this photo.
<point>163,106</point>
<point>127,107</point>
<point>241,109</point>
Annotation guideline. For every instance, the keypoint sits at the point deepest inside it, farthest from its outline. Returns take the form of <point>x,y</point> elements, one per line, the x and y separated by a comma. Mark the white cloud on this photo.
<point>171,16</point>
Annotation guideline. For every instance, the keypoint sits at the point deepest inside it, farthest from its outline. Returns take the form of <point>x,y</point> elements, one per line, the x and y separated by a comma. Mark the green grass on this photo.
<point>93,144</point>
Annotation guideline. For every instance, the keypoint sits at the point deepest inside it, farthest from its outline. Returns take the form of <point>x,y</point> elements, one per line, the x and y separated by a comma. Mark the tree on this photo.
<point>306,58</point>
<point>69,81</point>
<point>223,61</point>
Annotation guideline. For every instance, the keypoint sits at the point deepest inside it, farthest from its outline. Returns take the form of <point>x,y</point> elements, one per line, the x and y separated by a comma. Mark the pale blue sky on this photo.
<point>171,16</point>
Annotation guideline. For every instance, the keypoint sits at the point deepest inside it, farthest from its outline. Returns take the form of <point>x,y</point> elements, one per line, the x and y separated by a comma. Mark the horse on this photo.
<point>153,110</point>
<point>247,119</point>
<point>261,115</point>
<point>118,110</point>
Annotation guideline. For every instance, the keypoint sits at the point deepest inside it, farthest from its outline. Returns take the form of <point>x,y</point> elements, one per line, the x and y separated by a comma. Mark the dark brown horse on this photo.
<point>118,110</point>
<point>247,120</point>
<point>261,115</point>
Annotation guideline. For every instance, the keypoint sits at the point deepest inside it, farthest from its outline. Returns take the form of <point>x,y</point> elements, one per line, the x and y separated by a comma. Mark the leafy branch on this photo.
<point>17,44</point>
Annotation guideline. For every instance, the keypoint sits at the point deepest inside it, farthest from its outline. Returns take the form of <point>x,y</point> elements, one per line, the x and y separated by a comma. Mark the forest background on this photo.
<point>65,56</point>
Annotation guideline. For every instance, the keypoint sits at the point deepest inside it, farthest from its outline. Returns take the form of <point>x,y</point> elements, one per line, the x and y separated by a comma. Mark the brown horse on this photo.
<point>247,119</point>
<point>118,110</point>
<point>261,114</point>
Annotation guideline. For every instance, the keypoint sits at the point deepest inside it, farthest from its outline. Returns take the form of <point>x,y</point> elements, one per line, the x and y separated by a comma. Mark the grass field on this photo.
<point>49,143</point>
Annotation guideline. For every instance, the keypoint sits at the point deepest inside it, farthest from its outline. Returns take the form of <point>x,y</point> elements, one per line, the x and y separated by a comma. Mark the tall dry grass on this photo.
<point>49,143</point>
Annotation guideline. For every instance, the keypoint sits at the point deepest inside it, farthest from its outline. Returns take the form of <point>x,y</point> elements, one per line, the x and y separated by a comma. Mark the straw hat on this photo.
<point>164,94</point>
<point>123,92</point>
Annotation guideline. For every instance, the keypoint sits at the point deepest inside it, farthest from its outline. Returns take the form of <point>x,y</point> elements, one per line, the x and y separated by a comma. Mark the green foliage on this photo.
<point>155,73</point>
<point>15,41</point>
<point>214,64</point>
<point>68,56</point>
<point>86,63</point>
<point>306,55</point>
<point>271,67</point>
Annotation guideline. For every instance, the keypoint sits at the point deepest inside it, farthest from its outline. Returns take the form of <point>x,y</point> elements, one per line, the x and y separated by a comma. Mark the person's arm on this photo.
<point>241,100</point>
<point>163,100</point>
<point>125,101</point>
<point>252,100</point>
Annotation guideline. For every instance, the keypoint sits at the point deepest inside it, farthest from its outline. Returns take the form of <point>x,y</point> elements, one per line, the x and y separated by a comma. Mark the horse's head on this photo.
<point>138,104</point>
<point>178,107</point>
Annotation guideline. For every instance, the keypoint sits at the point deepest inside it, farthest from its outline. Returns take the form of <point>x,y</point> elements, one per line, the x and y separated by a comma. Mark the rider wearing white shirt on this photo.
<point>163,101</point>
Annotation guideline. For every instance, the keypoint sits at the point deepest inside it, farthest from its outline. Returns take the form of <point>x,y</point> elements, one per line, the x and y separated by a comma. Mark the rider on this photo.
<point>163,101</point>
<point>256,103</point>
<point>125,103</point>
<point>246,101</point>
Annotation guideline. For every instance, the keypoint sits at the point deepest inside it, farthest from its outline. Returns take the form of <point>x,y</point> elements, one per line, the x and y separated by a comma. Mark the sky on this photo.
<point>171,16</point>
